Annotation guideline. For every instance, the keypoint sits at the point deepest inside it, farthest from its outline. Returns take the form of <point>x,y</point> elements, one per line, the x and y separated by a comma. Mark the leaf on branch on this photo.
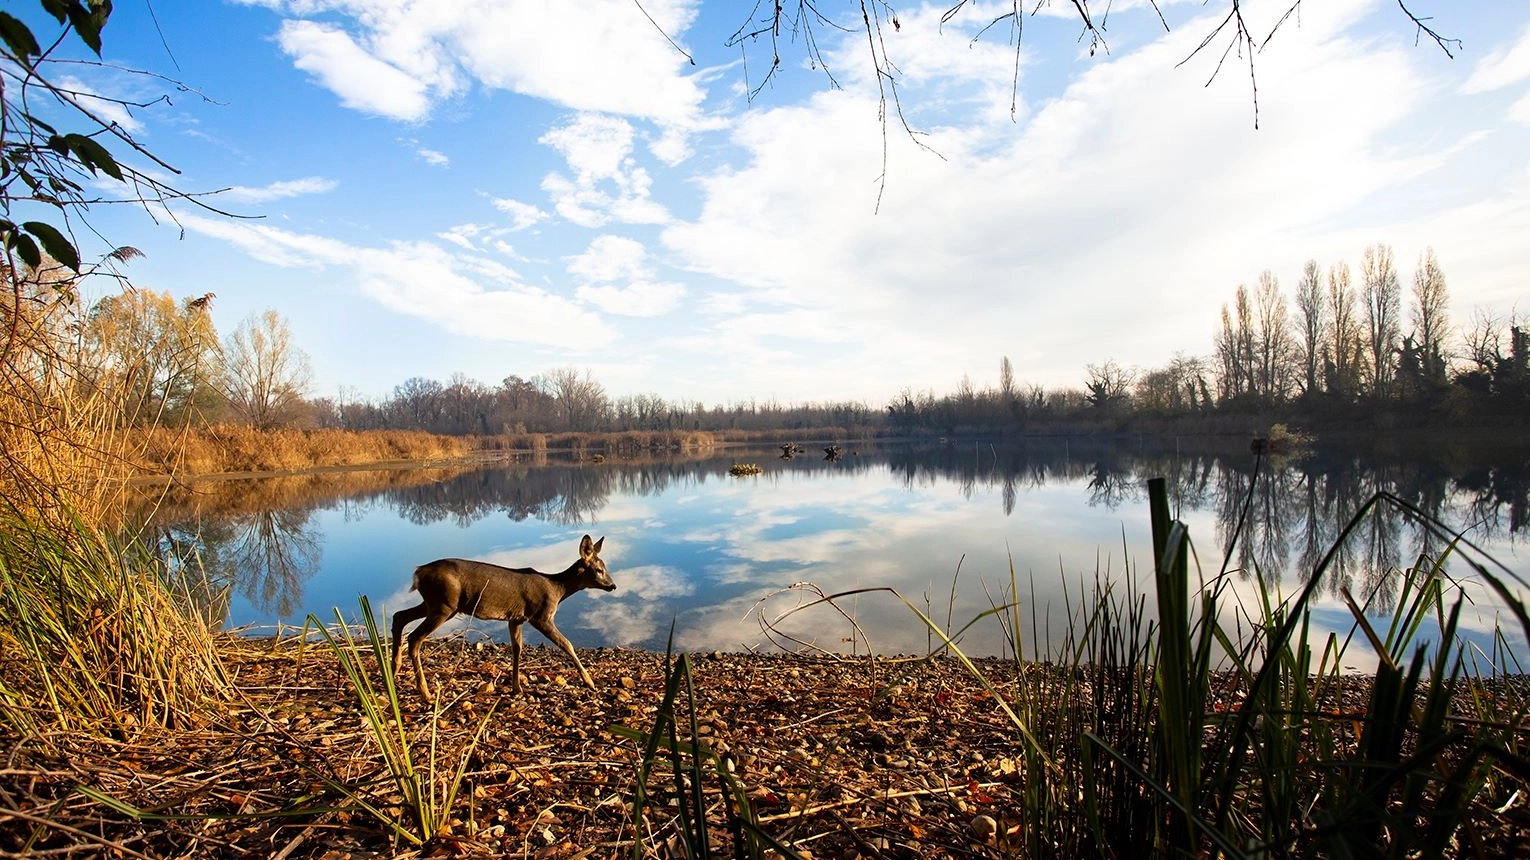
<point>55,243</point>
<point>25,248</point>
<point>89,20</point>
<point>93,155</point>
<point>18,39</point>
<point>39,123</point>
<point>59,9</point>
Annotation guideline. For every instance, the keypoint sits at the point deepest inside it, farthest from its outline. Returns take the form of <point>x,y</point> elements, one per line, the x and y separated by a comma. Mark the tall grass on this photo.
<point>674,742</point>
<point>97,638</point>
<point>422,790</point>
<point>61,442</point>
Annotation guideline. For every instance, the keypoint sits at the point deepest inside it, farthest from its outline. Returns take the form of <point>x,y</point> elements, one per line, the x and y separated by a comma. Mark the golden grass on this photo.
<point>230,448</point>
<point>59,438</point>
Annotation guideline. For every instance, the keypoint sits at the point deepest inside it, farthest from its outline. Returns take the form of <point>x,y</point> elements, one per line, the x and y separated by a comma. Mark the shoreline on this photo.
<point>850,757</point>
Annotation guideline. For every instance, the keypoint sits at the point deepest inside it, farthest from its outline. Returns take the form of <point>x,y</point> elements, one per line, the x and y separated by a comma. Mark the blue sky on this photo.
<point>491,187</point>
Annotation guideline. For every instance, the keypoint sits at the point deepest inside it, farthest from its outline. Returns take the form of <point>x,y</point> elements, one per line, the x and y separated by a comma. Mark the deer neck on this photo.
<point>569,579</point>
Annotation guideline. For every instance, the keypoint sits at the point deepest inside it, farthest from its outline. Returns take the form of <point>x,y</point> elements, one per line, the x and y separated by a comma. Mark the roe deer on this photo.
<point>450,586</point>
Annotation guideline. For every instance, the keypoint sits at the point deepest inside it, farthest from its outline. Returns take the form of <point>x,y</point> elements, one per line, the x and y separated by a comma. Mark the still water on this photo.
<point>947,528</point>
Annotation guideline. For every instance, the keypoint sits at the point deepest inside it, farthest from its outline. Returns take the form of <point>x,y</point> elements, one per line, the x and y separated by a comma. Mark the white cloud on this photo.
<point>595,146</point>
<point>523,215</point>
<point>462,235</point>
<point>482,238</point>
<point>363,81</point>
<point>597,55</point>
<point>653,582</point>
<point>672,147</point>
<point>461,294</point>
<point>1504,67</point>
<point>601,55</point>
<point>598,149</point>
<point>110,110</point>
<point>581,206</point>
<point>433,158</point>
<point>272,245</point>
<point>613,259</point>
<point>620,623</point>
<point>610,258</point>
<point>1520,111</point>
<point>280,190</point>
<point>637,299</point>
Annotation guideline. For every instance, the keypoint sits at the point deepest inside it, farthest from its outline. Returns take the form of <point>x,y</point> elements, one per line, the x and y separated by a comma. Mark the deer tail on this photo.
<point>414,583</point>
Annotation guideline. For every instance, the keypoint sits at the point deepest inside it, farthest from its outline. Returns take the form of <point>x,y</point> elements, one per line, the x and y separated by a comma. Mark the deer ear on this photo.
<point>585,545</point>
<point>595,550</point>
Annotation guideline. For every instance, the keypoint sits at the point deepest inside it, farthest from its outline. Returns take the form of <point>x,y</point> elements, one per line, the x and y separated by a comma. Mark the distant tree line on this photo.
<point>1345,350</point>
<point>565,399</point>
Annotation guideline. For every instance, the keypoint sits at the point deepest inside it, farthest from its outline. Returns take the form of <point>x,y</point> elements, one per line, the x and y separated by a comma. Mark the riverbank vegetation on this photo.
<point>227,449</point>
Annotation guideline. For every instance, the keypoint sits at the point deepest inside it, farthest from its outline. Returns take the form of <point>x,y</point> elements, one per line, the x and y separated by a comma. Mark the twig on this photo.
<point>83,834</point>
<point>292,846</point>
<point>851,801</point>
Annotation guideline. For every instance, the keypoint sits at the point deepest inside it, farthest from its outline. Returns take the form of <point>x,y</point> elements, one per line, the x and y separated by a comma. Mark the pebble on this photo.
<point>984,827</point>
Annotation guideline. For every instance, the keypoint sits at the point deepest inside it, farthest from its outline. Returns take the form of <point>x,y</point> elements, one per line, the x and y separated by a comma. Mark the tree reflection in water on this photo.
<point>261,537</point>
<point>1299,507</point>
<point>264,555</point>
<point>272,553</point>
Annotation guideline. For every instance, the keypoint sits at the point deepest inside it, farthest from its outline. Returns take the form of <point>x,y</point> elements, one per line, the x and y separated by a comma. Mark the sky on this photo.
<point>497,187</point>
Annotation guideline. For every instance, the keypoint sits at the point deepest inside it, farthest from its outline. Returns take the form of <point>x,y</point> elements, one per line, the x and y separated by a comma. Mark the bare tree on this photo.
<point>1431,317</point>
<point>1483,340</point>
<point>1235,347</point>
<point>1273,345</point>
<point>265,375</point>
<point>1157,391</point>
<point>1346,343</point>
<point>581,400</point>
<point>1227,357</point>
<point>1383,308</point>
<point>466,405</point>
<point>1311,323</point>
<point>1109,386</point>
<point>1190,375</point>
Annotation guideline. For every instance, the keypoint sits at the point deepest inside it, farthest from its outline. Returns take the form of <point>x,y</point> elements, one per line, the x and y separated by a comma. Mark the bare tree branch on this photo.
<point>1424,29</point>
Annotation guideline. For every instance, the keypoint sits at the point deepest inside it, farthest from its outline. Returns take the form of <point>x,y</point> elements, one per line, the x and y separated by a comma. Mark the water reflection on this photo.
<point>944,524</point>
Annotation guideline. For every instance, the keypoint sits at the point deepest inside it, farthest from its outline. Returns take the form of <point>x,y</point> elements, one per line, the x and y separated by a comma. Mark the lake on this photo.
<point>948,528</point>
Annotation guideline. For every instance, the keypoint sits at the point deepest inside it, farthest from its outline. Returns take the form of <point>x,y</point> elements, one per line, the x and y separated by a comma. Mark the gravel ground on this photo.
<point>839,758</point>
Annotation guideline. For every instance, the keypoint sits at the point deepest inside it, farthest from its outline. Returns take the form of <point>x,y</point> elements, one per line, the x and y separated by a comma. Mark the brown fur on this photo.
<point>453,586</point>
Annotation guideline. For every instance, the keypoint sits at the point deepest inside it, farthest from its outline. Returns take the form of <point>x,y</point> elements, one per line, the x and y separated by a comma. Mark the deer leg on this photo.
<point>426,627</point>
<point>401,619</point>
<point>515,656</point>
<point>551,632</point>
